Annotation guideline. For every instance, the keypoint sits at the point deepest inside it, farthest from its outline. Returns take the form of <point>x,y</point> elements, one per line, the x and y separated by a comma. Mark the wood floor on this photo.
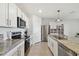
<point>39,49</point>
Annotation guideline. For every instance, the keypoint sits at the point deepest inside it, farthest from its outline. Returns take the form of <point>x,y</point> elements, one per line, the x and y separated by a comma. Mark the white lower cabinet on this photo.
<point>58,49</point>
<point>50,44</point>
<point>53,45</point>
<point>20,50</point>
<point>13,52</point>
<point>17,51</point>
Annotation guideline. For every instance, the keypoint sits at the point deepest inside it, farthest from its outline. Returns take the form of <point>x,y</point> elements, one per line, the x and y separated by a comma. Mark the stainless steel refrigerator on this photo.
<point>44,33</point>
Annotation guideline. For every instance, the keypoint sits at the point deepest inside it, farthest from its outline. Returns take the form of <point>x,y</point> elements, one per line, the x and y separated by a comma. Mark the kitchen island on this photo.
<point>12,47</point>
<point>63,47</point>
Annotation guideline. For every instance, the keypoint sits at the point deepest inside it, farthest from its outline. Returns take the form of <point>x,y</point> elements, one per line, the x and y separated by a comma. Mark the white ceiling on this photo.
<point>49,10</point>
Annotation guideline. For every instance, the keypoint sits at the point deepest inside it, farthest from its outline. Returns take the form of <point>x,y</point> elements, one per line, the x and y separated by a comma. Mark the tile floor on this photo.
<point>39,49</point>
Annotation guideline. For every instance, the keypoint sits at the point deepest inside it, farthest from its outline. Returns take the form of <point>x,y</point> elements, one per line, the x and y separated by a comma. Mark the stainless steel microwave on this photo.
<point>21,23</point>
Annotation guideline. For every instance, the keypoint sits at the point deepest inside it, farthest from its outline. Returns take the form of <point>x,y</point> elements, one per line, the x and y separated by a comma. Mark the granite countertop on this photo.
<point>9,44</point>
<point>70,43</point>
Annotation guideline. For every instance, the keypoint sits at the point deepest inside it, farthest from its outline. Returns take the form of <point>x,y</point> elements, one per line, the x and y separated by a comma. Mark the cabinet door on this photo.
<point>13,52</point>
<point>19,13</point>
<point>22,16</point>
<point>12,15</point>
<point>49,43</point>
<point>22,49</point>
<point>27,22</point>
<point>55,47</point>
<point>19,51</point>
<point>3,15</point>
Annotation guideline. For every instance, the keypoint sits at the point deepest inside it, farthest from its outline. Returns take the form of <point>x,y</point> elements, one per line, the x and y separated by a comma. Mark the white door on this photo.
<point>3,14</point>
<point>12,15</point>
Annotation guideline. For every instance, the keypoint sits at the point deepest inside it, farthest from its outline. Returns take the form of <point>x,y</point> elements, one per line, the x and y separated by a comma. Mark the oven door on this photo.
<point>27,44</point>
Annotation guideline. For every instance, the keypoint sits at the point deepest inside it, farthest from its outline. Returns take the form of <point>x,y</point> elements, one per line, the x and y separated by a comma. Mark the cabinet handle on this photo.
<point>7,21</point>
<point>10,22</point>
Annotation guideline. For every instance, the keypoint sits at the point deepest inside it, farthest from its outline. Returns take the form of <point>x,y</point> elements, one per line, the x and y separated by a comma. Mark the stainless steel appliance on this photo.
<point>16,35</point>
<point>44,33</point>
<point>21,23</point>
<point>27,42</point>
<point>64,51</point>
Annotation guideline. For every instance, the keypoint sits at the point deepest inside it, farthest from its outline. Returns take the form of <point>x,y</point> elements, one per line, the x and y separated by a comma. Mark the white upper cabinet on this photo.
<point>12,15</point>
<point>3,14</point>
<point>27,22</point>
<point>19,13</point>
<point>9,13</point>
<point>23,16</point>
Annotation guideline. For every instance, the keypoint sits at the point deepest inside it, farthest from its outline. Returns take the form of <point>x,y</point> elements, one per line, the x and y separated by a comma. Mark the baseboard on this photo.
<point>51,51</point>
<point>35,43</point>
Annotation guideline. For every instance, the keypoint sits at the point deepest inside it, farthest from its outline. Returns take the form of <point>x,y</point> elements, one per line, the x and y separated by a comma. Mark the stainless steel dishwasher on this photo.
<point>64,51</point>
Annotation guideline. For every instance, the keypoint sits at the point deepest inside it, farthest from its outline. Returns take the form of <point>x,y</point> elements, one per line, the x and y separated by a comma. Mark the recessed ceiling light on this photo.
<point>40,11</point>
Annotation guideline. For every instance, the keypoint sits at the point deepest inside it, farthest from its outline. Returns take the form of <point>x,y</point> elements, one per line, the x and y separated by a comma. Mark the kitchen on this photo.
<point>26,25</point>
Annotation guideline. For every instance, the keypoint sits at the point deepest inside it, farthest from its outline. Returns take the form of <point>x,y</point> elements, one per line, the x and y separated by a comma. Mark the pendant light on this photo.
<point>58,18</point>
